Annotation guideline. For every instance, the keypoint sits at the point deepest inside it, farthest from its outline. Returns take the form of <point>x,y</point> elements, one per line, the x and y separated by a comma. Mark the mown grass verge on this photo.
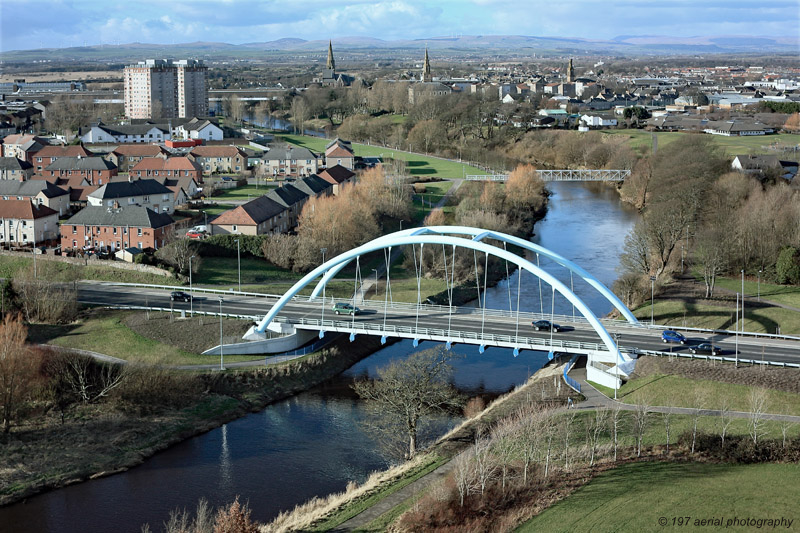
<point>634,497</point>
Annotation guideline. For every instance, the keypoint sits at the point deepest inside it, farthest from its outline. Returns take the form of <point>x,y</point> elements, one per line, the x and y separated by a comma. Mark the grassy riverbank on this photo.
<point>42,452</point>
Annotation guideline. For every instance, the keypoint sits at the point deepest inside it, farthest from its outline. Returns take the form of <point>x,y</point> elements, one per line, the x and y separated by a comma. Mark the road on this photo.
<point>466,320</point>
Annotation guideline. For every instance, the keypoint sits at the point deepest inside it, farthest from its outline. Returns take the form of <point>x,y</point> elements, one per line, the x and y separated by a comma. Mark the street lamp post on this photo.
<point>220,335</point>
<point>742,326</point>
<point>652,297</point>
<point>616,366</point>
<point>376,280</point>
<point>736,332</point>
<point>191,292</point>
<point>759,285</point>
<point>239,263</point>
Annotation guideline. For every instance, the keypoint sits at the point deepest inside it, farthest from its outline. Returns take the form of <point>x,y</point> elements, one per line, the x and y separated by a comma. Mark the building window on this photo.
<point>74,230</point>
<point>234,228</point>
<point>115,231</point>
<point>139,232</point>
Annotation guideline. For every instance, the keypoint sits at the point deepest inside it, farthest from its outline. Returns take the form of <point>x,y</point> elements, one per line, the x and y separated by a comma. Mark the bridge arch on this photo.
<point>480,234</point>
<point>421,237</point>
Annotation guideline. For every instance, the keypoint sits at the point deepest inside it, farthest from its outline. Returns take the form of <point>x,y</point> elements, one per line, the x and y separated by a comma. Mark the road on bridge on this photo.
<point>466,320</point>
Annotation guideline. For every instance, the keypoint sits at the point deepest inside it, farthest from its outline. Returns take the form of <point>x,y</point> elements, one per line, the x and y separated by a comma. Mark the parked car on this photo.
<point>545,325</point>
<point>180,296</point>
<point>194,234</point>
<point>347,309</point>
<point>672,336</point>
<point>706,347</point>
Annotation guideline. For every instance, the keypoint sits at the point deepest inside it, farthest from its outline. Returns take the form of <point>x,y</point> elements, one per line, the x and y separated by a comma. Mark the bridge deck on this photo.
<point>561,175</point>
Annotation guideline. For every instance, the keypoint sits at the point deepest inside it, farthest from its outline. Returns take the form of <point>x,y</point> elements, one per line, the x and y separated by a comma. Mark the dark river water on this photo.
<point>313,444</point>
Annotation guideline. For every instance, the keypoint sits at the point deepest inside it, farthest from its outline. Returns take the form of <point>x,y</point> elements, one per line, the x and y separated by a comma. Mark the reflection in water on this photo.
<point>314,443</point>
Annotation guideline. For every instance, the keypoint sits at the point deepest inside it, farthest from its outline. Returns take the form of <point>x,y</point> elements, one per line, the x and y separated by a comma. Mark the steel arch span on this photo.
<point>480,234</point>
<point>435,236</point>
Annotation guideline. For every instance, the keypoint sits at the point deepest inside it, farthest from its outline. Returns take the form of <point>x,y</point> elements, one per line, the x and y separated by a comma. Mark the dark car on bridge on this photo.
<point>706,347</point>
<point>180,296</point>
<point>347,309</point>
<point>545,325</point>
<point>672,336</point>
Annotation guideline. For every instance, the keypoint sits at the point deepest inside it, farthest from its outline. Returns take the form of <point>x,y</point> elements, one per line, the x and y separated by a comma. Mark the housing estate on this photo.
<point>39,192</point>
<point>145,192</point>
<point>23,222</point>
<point>116,228</point>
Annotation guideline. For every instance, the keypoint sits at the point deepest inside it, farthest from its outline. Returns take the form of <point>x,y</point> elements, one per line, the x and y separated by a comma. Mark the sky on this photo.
<point>28,24</point>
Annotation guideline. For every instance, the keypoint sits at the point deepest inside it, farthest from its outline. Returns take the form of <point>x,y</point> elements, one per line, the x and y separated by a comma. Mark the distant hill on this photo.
<point>501,45</point>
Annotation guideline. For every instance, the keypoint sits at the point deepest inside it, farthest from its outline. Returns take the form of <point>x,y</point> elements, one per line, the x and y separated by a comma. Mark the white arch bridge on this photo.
<point>447,323</point>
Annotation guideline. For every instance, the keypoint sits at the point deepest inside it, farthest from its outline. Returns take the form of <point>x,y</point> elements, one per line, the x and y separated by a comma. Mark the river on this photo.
<point>313,444</point>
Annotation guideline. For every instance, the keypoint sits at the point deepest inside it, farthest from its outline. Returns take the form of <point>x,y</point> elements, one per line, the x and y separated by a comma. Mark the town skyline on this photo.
<point>33,24</point>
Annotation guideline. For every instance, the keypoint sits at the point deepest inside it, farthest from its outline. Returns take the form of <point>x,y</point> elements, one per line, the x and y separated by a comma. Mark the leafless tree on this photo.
<point>698,403</point>
<point>464,475</point>
<point>786,425</point>
<point>617,421</point>
<point>506,444</point>
<point>18,368</point>
<point>641,416</point>
<point>725,419</point>
<point>567,422</point>
<point>485,466</point>
<point>410,389</point>
<point>597,428</point>
<point>666,417</point>
<point>757,400</point>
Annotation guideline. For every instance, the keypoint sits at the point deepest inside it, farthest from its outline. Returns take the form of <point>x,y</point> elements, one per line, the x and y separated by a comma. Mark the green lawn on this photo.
<point>106,333</point>
<point>224,271</point>
<point>676,313</point>
<point>641,139</point>
<point>784,294</point>
<point>678,391</point>
<point>417,164</point>
<point>11,266</point>
<point>249,192</point>
<point>217,209</point>
<point>635,496</point>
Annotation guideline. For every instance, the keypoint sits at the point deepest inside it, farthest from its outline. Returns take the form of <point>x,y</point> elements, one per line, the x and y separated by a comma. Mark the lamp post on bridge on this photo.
<point>742,325</point>
<point>652,295</point>
<point>759,285</point>
<point>239,263</point>
<point>616,366</point>
<point>220,335</point>
<point>376,280</point>
<point>191,292</point>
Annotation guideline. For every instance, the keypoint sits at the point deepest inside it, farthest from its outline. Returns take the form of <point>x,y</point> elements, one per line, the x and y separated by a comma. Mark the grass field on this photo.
<point>642,140</point>
<point>217,209</point>
<point>417,164</point>
<point>105,332</point>
<point>783,294</point>
<point>678,391</point>
<point>249,192</point>
<point>425,201</point>
<point>224,270</point>
<point>634,497</point>
<point>11,266</point>
<point>677,313</point>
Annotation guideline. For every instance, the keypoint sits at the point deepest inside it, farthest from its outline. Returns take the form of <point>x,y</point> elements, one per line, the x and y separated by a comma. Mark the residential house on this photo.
<point>172,167</point>
<point>291,198</point>
<point>257,217</point>
<point>222,159</point>
<point>765,164</point>
<point>339,152</point>
<point>338,176</point>
<point>196,128</point>
<point>38,192</point>
<point>22,222</point>
<point>15,169</point>
<point>126,156</point>
<point>145,192</point>
<point>78,187</point>
<point>289,162</point>
<point>598,121</point>
<point>314,186</point>
<point>122,134</point>
<point>44,157</point>
<point>22,146</point>
<point>95,170</point>
<point>116,227</point>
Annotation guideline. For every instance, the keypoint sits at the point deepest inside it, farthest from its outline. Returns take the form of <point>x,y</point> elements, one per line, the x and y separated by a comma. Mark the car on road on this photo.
<point>195,234</point>
<point>706,347</point>
<point>180,296</point>
<point>347,309</point>
<point>545,325</point>
<point>672,336</point>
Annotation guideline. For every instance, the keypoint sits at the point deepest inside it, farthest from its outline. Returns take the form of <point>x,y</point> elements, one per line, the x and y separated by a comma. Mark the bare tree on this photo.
<point>485,466</point>
<point>566,432</point>
<point>411,389</point>
<point>617,421</point>
<point>641,416</point>
<point>758,408</point>
<point>18,368</point>
<point>506,443</point>
<point>698,403</point>
<point>177,253</point>
<point>598,426</point>
<point>464,475</point>
<point>786,425</point>
<point>666,417</point>
<point>725,419</point>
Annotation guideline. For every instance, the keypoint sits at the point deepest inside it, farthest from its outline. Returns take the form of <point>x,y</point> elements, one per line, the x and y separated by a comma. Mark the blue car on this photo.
<point>672,336</point>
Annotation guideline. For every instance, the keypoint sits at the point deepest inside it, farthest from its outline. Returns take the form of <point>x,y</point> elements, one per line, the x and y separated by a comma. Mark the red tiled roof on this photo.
<point>336,174</point>
<point>24,209</point>
<point>64,151</point>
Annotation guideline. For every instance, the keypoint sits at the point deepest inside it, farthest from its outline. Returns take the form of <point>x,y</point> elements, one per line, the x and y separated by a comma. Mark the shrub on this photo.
<point>787,268</point>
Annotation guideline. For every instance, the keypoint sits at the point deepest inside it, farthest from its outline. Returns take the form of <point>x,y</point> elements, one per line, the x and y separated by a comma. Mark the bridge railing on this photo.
<point>720,358</point>
<point>568,380</point>
<point>562,175</point>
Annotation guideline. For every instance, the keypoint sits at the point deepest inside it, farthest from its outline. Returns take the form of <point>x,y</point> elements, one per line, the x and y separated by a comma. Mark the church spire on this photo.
<point>331,64</point>
<point>426,68</point>
<point>570,72</point>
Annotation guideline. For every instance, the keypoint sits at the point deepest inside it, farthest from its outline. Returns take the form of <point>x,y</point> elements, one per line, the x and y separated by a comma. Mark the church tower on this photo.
<point>570,72</point>
<point>331,64</point>
<point>426,68</point>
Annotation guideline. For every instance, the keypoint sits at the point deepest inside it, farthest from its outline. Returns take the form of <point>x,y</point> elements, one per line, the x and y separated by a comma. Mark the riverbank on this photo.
<point>97,440</point>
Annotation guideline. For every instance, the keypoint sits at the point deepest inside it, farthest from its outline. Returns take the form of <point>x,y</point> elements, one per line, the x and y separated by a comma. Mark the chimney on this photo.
<point>130,178</point>
<point>116,204</point>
